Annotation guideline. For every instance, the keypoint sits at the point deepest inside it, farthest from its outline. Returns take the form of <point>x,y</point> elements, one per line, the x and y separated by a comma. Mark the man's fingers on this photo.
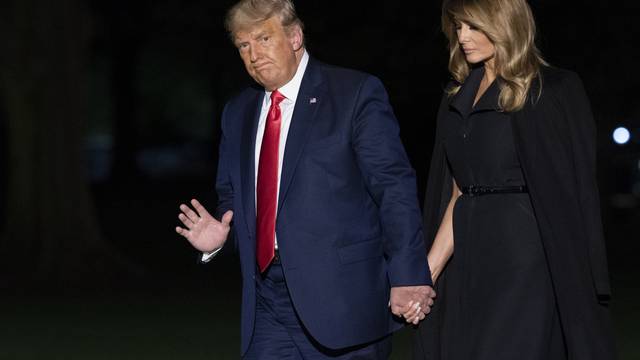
<point>398,310</point>
<point>189,213</point>
<point>226,218</point>
<point>186,234</point>
<point>431,293</point>
<point>183,232</point>
<point>186,221</point>
<point>199,208</point>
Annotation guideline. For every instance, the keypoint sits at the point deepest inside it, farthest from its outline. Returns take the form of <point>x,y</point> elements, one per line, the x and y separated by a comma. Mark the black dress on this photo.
<point>499,299</point>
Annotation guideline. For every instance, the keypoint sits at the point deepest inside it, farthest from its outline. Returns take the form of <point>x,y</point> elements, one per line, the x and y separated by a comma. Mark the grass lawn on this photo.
<point>190,326</point>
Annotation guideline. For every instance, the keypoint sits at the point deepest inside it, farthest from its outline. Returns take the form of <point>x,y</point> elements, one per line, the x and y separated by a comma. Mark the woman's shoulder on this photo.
<point>559,88</point>
<point>556,81</point>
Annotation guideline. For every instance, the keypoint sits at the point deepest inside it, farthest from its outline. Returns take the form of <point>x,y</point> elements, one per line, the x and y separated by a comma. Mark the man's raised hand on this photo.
<point>203,231</point>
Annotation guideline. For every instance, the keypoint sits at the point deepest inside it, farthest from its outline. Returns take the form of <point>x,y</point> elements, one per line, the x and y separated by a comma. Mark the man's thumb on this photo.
<point>226,218</point>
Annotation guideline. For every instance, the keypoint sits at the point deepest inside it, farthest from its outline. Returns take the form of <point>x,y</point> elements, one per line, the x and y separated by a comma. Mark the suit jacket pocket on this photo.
<point>361,251</point>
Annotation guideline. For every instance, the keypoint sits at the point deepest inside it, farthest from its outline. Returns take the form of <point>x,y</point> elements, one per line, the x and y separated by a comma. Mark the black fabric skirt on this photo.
<point>495,297</point>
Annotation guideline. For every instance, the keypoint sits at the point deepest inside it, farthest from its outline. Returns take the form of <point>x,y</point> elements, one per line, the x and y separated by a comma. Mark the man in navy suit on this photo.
<point>323,198</point>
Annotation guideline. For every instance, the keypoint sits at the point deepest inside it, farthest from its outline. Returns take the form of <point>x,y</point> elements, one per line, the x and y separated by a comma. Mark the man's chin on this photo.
<point>269,85</point>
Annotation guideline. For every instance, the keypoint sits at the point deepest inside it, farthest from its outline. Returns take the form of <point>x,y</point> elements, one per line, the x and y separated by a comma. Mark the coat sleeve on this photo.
<point>224,185</point>
<point>391,182</point>
<point>582,132</point>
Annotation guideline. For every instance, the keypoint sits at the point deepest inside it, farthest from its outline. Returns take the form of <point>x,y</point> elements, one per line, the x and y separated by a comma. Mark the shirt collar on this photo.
<point>291,89</point>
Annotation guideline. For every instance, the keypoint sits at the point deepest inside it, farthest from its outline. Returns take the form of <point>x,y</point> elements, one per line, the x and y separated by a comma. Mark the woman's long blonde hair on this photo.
<point>509,25</point>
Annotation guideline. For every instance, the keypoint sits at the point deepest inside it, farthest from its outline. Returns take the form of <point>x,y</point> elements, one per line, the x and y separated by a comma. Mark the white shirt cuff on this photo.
<point>206,257</point>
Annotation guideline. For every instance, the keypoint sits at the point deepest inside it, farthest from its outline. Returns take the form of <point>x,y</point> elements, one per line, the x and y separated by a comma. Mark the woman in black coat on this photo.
<point>512,213</point>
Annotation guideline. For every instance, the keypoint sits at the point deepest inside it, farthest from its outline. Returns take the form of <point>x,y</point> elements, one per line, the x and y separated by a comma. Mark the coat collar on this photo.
<point>463,100</point>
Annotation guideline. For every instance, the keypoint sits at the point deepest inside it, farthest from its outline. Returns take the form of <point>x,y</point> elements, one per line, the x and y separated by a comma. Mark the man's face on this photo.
<point>270,54</point>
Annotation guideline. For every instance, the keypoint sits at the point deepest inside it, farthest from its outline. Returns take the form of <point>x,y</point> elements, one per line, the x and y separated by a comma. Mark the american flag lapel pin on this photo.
<point>313,100</point>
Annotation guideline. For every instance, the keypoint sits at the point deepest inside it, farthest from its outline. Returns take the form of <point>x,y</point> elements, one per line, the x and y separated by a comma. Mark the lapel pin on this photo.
<point>313,100</point>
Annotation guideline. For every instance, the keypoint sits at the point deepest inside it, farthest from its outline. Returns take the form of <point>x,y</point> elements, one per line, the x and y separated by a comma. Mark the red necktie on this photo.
<point>267,188</point>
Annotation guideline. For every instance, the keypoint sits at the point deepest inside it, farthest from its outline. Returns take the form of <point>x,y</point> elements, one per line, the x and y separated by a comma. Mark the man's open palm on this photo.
<point>203,231</point>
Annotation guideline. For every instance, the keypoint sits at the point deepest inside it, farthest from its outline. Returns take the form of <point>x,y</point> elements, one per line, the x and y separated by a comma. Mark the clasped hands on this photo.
<point>207,234</point>
<point>413,303</point>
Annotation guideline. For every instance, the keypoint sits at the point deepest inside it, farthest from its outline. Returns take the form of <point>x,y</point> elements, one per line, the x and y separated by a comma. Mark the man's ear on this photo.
<point>296,37</point>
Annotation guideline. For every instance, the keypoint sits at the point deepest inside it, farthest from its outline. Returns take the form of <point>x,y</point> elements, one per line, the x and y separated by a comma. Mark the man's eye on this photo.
<point>265,38</point>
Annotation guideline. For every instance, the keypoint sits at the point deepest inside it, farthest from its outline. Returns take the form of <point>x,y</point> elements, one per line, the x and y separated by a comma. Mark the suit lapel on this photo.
<point>248,157</point>
<point>310,97</point>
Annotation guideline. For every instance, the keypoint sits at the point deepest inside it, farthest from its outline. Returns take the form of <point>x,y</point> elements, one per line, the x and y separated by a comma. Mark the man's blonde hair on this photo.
<point>247,13</point>
<point>510,26</point>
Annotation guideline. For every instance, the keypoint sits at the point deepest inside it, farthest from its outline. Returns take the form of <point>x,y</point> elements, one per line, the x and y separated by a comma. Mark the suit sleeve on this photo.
<point>583,144</point>
<point>224,185</point>
<point>391,182</point>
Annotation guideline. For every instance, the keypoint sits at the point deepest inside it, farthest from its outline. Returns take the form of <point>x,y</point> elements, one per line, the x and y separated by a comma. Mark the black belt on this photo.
<point>476,190</point>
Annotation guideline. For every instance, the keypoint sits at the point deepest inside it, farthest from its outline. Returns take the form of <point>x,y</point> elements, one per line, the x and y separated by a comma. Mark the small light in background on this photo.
<point>621,135</point>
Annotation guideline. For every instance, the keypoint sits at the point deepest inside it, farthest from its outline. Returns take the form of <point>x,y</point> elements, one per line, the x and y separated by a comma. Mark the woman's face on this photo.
<point>475,45</point>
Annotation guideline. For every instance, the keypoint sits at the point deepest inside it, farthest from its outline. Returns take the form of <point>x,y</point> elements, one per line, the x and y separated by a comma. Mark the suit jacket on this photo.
<point>555,140</point>
<point>348,222</point>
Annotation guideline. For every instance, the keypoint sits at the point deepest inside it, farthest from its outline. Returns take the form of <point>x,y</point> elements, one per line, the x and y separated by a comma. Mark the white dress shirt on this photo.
<point>290,91</point>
